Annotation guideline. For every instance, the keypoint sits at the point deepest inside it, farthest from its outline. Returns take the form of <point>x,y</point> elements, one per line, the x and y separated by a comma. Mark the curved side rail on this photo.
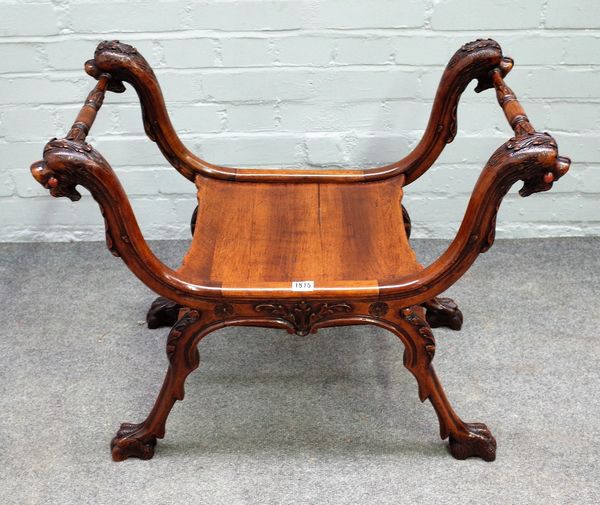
<point>67,164</point>
<point>529,158</point>
<point>123,62</point>
<point>532,158</point>
<point>475,60</point>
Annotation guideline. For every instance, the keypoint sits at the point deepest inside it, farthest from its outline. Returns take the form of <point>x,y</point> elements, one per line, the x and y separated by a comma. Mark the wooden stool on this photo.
<point>302,250</point>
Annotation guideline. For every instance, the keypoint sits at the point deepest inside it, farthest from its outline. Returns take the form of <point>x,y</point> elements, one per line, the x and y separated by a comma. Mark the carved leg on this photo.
<point>466,439</point>
<point>443,312</point>
<point>162,312</point>
<point>138,440</point>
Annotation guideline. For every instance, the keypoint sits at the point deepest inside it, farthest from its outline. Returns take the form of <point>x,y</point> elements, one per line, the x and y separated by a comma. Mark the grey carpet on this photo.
<point>270,418</point>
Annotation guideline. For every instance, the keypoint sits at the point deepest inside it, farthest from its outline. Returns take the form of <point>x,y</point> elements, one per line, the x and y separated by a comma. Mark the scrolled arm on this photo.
<point>531,158</point>
<point>68,163</point>
<point>125,64</point>
<point>474,60</point>
<point>527,158</point>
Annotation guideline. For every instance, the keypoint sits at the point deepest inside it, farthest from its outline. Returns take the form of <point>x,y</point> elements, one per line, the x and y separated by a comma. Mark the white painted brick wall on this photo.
<point>297,83</point>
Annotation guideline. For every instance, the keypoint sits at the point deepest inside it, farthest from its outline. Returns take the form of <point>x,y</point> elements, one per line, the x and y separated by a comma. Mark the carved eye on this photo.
<point>52,182</point>
<point>549,178</point>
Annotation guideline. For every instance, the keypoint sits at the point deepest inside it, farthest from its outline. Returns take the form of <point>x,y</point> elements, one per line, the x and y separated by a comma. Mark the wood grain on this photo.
<point>253,234</point>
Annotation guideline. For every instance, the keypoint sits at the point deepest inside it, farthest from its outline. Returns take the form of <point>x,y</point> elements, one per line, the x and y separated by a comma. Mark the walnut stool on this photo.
<point>298,249</point>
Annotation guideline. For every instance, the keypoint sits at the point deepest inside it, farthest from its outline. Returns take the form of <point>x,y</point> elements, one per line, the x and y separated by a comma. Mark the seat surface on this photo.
<point>268,235</point>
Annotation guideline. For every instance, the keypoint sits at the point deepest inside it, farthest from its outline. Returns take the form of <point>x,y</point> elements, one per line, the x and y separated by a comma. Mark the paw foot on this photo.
<point>443,312</point>
<point>132,441</point>
<point>476,441</point>
<point>162,312</point>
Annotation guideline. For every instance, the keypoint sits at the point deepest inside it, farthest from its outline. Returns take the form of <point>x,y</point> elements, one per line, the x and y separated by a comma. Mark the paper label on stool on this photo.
<point>303,285</point>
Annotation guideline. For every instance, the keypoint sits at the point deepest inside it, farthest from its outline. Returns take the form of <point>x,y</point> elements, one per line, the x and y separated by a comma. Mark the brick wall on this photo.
<point>297,83</point>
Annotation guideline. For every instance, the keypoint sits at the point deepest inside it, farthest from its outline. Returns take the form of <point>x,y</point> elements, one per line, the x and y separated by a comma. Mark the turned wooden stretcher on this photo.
<point>302,250</point>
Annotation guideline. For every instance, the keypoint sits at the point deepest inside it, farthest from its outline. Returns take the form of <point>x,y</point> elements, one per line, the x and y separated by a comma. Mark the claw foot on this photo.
<point>475,441</point>
<point>132,441</point>
<point>443,312</point>
<point>162,312</point>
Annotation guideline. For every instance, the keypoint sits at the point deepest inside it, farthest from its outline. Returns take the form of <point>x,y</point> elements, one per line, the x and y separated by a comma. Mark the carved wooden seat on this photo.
<point>302,250</point>
<point>254,236</point>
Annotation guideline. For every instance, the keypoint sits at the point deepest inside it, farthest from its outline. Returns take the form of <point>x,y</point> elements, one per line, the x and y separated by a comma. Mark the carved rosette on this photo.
<point>177,331</point>
<point>223,310</point>
<point>303,315</point>
<point>422,328</point>
<point>378,309</point>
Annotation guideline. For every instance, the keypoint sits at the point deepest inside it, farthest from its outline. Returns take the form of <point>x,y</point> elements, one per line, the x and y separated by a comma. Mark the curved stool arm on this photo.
<point>529,156</point>
<point>475,60</point>
<point>68,163</point>
<point>532,158</point>
<point>124,63</point>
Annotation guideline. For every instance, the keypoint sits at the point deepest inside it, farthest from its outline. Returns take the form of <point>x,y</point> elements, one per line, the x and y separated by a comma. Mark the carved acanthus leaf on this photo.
<point>116,46</point>
<point>303,315</point>
<point>475,45</point>
<point>79,147</point>
<point>177,331</point>
<point>469,47</point>
<point>516,144</point>
<point>423,329</point>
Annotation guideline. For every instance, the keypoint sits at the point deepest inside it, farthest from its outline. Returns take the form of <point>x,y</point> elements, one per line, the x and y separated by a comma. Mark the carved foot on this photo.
<point>476,441</point>
<point>162,312</point>
<point>132,441</point>
<point>443,312</point>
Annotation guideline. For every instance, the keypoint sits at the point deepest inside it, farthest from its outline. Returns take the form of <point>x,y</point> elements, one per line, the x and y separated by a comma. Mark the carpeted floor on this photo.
<point>269,418</point>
